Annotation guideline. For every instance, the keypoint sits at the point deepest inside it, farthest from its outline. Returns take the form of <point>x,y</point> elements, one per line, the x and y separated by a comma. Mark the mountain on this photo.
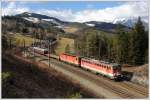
<point>106,27</point>
<point>33,21</point>
<point>129,22</point>
<point>43,19</point>
<point>126,22</point>
<point>39,18</point>
<point>29,23</point>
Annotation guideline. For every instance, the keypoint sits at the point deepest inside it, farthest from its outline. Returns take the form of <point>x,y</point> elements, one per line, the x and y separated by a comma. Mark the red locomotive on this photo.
<point>111,70</point>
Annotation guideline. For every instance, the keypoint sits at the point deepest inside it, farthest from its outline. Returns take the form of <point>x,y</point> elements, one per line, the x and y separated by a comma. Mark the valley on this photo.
<point>116,49</point>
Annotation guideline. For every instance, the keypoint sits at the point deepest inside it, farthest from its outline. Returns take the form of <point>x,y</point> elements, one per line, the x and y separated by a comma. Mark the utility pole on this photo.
<point>10,42</point>
<point>34,45</point>
<point>99,50</point>
<point>24,46</point>
<point>40,40</point>
<point>109,51</point>
<point>77,49</point>
<point>49,47</point>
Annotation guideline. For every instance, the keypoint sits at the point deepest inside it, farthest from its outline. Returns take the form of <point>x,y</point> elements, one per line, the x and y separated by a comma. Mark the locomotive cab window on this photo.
<point>107,67</point>
<point>76,58</point>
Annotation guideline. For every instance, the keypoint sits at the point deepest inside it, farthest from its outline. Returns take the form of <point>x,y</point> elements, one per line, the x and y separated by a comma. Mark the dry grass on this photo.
<point>62,43</point>
<point>70,29</point>
<point>140,74</point>
<point>19,40</point>
<point>36,81</point>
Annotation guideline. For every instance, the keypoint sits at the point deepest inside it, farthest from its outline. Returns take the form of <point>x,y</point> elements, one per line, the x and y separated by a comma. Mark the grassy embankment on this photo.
<point>62,43</point>
<point>21,80</point>
<point>18,39</point>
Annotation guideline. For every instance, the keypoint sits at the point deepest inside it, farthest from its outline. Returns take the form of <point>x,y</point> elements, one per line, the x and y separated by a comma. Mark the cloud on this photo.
<point>127,10</point>
<point>109,14</point>
<point>66,15</point>
<point>12,9</point>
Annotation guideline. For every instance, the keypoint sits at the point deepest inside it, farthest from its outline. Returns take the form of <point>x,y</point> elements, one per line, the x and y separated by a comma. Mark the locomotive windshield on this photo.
<point>117,66</point>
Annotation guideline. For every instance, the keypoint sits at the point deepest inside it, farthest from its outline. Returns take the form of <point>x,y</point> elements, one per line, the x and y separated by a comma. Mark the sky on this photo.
<point>77,11</point>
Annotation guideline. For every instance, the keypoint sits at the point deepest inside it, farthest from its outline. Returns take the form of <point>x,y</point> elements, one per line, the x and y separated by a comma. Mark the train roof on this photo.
<point>94,60</point>
<point>42,49</point>
<point>69,54</point>
<point>101,62</point>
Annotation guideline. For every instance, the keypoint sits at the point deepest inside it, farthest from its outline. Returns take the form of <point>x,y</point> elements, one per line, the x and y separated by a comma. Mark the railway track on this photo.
<point>105,84</point>
<point>130,85</point>
<point>122,89</point>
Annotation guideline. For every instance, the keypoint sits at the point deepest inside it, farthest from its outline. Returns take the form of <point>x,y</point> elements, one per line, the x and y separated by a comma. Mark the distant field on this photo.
<point>19,40</point>
<point>70,29</point>
<point>62,43</point>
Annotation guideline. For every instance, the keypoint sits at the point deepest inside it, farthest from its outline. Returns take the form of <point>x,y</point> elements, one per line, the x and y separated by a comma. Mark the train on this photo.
<point>39,50</point>
<point>111,70</point>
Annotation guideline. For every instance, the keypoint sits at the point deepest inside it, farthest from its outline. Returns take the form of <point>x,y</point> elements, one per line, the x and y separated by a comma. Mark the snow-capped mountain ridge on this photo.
<point>37,18</point>
<point>130,22</point>
<point>32,19</point>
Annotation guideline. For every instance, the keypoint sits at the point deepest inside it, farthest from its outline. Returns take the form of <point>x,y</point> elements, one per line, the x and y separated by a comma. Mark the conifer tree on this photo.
<point>138,43</point>
<point>122,46</point>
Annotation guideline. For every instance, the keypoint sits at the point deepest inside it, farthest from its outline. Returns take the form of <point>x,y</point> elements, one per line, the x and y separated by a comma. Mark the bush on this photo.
<point>74,95</point>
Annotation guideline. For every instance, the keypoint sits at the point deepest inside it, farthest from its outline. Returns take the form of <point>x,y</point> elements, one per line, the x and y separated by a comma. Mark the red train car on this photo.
<point>70,58</point>
<point>111,70</point>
